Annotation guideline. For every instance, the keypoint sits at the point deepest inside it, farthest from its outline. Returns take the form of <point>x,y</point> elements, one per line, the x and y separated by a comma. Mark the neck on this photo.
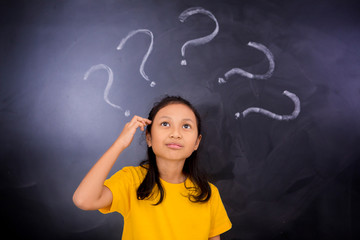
<point>171,171</point>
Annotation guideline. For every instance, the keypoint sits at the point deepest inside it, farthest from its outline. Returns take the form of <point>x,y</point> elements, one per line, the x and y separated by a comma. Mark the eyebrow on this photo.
<point>185,119</point>
<point>188,119</point>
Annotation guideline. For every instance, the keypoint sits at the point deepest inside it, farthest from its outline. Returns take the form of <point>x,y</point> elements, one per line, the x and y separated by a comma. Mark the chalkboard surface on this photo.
<point>277,84</point>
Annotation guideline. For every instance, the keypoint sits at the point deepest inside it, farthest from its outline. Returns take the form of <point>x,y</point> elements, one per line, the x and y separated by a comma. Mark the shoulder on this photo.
<point>134,174</point>
<point>215,194</point>
<point>134,170</point>
<point>213,188</point>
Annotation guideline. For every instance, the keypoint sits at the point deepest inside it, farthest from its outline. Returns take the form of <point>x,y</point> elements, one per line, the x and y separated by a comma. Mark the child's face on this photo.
<point>174,133</point>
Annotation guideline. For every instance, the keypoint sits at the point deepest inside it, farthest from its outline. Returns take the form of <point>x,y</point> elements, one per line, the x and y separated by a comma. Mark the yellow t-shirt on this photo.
<point>175,218</point>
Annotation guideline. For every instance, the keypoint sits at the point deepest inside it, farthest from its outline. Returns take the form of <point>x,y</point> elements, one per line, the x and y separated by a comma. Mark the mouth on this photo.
<point>174,145</point>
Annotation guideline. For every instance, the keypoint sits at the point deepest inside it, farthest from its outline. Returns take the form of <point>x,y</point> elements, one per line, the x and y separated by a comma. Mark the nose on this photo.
<point>175,133</point>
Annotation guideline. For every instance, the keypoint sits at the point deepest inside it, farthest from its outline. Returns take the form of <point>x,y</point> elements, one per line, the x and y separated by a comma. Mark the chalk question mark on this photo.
<point>199,41</point>
<point>132,33</point>
<point>108,85</point>
<point>264,76</point>
<point>265,112</point>
<point>243,73</point>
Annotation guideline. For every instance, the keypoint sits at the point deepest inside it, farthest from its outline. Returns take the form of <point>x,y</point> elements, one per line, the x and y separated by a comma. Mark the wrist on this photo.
<point>119,144</point>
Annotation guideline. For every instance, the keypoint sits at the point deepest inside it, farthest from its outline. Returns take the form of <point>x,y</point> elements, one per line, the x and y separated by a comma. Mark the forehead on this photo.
<point>176,110</point>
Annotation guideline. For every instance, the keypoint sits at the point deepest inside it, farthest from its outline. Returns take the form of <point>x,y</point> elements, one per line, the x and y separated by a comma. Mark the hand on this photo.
<point>129,130</point>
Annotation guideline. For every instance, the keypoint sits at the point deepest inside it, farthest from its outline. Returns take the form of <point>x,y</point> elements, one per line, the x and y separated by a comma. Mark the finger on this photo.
<point>135,121</point>
<point>136,118</point>
<point>132,121</point>
<point>141,124</point>
<point>145,121</point>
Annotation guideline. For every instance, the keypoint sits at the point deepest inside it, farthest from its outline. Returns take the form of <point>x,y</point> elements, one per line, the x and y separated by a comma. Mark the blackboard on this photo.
<point>277,84</point>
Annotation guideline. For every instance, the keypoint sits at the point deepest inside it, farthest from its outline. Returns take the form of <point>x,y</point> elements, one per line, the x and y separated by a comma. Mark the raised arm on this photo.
<point>91,194</point>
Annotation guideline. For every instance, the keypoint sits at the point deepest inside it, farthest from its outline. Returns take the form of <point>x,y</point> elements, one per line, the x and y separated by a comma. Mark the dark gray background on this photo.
<point>295,179</point>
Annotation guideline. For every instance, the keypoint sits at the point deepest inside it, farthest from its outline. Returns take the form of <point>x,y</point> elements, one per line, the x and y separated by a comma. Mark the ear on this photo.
<point>197,143</point>
<point>148,139</point>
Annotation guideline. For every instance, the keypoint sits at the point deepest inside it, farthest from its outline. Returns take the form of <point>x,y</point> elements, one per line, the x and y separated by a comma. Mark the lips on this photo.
<point>174,145</point>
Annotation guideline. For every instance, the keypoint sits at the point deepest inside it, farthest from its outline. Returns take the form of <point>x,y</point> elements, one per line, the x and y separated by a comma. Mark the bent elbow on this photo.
<point>80,202</point>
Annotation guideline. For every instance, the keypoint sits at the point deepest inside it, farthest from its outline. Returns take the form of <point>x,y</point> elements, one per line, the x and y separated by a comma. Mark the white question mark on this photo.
<point>199,41</point>
<point>132,33</point>
<point>108,85</point>
<point>267,75</point>
<point>243,73</point>
<point>292,116</point>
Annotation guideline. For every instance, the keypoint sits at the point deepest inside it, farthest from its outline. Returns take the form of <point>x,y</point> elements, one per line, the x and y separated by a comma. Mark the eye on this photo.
<point>187,126</point>
<point>165,124</point>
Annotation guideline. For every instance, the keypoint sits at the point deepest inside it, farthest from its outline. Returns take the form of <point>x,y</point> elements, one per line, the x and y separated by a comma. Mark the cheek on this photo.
<point>155,141</point>
<point>157,149</point>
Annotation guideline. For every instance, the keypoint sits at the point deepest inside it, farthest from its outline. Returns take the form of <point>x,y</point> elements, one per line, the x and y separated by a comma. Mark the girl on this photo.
<point>167,197</point>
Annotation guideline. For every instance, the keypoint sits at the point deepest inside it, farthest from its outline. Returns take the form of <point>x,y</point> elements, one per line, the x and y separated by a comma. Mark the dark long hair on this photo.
<point>201,192</point>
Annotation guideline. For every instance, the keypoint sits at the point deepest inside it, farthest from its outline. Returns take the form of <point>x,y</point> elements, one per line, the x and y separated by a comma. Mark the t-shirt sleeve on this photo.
<point>120,185</point>
<point>220,221</point>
